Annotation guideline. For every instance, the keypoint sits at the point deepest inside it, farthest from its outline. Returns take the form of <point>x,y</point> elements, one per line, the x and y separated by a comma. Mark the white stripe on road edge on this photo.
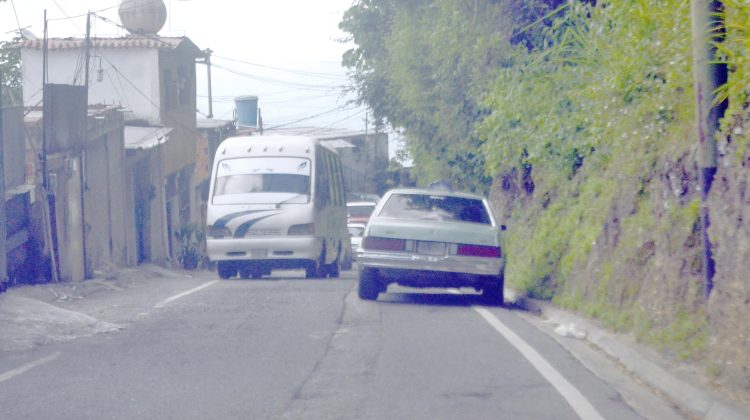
<point>15,372</point>
<point>166,301</point>
<point>572,395</point>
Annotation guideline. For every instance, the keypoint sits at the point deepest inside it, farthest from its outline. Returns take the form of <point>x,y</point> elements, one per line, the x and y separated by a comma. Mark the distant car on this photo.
<point>359,211</point>
<point>355,232</point>
<point>432,238</point>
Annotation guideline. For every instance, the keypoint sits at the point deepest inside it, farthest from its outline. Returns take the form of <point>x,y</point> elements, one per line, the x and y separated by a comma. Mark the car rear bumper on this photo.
<point>476,266</point>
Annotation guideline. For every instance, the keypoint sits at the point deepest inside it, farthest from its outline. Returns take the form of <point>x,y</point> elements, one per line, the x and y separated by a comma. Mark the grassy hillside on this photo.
<point>581,117</point>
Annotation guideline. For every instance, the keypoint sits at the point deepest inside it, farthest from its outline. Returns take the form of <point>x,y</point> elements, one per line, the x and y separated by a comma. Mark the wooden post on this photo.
<point>707,29</point>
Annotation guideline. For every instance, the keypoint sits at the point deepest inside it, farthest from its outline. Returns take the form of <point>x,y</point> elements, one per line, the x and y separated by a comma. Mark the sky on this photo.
<point>286,52</point>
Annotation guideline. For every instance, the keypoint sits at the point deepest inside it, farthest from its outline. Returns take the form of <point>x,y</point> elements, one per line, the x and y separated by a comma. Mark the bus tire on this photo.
<point>226,269</point>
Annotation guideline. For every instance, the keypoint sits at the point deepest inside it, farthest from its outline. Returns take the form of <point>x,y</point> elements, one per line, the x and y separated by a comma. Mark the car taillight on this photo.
<point>479,251</point>
<point>218,232</point>
<point>305,229</point>
<point>383,244</point>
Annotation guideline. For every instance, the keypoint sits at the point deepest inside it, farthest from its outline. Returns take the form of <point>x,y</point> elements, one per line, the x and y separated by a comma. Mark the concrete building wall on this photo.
<point>67,229</point>
<point>14,148</point>
<point>366,163</point>
<point>148,183</point>
<point>129,78</point>
<point>178,104</point>
<point>108,212</point>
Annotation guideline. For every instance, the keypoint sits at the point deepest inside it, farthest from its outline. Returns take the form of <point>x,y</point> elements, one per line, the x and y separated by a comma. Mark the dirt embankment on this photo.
<point>644,272</point>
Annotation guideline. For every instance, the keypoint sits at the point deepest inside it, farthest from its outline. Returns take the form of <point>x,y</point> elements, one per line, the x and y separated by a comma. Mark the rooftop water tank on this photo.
<point>246,109</point>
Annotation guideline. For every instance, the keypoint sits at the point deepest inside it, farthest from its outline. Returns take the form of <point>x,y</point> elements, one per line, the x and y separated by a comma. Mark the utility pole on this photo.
<point>3,250</point>
<point>82,154</point>
<point>707,29</point>
<point>210,92</point>
<point>207,61</point>
<point>49,211</point>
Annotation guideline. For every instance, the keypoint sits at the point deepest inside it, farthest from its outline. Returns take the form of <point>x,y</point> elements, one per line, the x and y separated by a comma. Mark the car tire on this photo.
<point>369,284</point>
<point>493,293</point>
<point>226,269</point>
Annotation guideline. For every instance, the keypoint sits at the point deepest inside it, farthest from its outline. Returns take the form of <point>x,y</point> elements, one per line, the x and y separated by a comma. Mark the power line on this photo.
<point>18,22</point>
<point>298,72</point>
<point>331,125</point>
<point>338,108</point>
<point>278,82</point>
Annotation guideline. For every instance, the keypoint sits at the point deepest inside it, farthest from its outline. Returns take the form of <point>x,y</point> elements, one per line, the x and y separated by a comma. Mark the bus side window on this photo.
<point>339,176</point>
<point>322,182</point>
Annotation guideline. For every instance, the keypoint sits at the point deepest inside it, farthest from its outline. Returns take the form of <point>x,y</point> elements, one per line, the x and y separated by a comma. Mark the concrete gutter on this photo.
<point>694,400</point>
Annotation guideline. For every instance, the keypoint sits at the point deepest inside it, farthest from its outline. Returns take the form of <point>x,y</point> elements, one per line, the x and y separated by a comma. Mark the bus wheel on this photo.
<point>226,269</point>
<point>334,270</point>
<point>311,269</point>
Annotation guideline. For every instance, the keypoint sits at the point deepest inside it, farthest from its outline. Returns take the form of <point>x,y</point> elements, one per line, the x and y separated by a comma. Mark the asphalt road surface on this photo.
<point>286,347</point>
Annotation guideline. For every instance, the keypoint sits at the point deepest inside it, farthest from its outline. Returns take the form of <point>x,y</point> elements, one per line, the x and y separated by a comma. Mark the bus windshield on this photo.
<point>263,180</point>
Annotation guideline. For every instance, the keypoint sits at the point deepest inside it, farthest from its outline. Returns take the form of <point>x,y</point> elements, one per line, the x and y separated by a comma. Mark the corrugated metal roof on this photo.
<point>145,137</point>
<point>127,42</point>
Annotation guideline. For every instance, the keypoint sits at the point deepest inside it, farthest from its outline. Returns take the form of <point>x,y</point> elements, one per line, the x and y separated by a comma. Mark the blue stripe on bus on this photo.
<point>242,229</point>
<point>222,221</point>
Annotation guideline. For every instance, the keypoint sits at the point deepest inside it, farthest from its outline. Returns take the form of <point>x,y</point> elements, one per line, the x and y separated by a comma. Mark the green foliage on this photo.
<point>423,66</point>
<point>598,104</point>
<point>191,237</point>
<point>10,73</point>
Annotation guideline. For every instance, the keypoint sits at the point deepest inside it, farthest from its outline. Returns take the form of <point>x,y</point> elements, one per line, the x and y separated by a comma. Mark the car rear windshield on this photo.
<point>435,207</point>
<point>360,210</point>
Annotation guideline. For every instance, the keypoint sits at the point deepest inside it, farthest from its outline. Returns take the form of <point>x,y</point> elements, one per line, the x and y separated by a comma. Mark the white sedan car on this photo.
<point>355,233</point>
<point>430,238</point>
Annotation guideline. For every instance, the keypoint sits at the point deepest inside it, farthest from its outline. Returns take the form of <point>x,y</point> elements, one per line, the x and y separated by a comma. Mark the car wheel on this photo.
<point>226,269</point>
<point>494,293</point>
<point>369,285</point>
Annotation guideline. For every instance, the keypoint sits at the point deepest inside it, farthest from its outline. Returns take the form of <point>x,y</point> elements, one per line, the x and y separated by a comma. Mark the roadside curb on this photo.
<point>696,401</point>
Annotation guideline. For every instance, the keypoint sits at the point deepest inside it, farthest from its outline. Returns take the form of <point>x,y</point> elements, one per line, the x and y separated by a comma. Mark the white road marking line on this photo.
<point>572,395</point>
<point>15,372</point>
<point>169,300</point>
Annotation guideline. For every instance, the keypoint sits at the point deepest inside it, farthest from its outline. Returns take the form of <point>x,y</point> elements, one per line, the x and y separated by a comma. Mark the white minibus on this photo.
<point>277,202</point>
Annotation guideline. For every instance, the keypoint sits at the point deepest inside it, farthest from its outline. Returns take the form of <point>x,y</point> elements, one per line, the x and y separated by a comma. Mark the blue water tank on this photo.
<point>246,109</point>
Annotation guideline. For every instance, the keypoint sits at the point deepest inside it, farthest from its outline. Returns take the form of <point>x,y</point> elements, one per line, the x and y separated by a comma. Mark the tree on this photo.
<point>10,72</point>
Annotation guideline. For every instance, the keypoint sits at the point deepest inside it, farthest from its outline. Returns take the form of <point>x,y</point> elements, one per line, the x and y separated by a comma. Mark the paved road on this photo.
<point>290,348</point>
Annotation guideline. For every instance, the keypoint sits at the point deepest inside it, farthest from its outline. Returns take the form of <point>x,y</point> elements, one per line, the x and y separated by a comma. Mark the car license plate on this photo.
<point>258,253</point>
<point>431,248</point>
